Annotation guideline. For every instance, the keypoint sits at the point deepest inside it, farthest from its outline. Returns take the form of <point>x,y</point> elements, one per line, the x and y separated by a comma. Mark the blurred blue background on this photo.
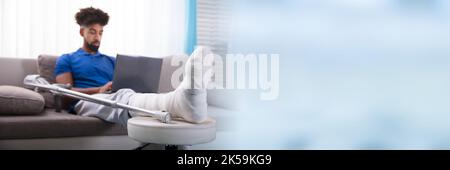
<point>354,74</point>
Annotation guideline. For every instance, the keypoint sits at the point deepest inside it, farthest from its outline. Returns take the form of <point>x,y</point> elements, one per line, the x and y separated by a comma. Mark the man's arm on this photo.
<point>66,78</point>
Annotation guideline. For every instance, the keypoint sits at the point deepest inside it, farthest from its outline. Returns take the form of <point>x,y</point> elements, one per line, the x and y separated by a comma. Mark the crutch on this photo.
<point>39,82</point>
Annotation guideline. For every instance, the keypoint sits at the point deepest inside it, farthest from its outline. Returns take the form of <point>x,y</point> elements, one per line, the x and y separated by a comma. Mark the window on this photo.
<point>213,21</point>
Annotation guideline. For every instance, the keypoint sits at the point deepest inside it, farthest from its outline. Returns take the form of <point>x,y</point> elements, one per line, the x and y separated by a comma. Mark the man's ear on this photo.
<point>82,31</point>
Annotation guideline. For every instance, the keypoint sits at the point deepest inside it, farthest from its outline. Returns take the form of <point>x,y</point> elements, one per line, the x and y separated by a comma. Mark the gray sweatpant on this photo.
<point>114,115</point>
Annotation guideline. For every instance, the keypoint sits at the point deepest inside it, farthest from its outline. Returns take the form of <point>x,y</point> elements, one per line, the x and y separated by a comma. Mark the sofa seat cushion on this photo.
<point>20,101</point>
<point>51,124</point>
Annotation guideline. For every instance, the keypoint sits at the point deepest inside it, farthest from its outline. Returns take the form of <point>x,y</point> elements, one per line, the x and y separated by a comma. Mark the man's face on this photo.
<point>92,36</point>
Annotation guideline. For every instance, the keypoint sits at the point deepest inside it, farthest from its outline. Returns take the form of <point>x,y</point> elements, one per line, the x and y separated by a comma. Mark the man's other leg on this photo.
<point>114,115</point>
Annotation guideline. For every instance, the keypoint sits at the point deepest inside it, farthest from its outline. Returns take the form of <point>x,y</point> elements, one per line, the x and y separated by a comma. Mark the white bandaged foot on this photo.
<point>188,101</point>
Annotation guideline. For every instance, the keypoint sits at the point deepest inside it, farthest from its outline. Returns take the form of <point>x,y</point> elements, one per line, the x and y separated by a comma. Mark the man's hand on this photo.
<point>105,87</point>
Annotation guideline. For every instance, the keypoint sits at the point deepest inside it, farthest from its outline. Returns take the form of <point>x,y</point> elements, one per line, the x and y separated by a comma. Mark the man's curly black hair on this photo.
<point>90,15</point>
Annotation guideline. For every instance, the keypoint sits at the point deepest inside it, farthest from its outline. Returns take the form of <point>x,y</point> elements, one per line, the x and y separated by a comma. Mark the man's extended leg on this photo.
<point>188,101</point>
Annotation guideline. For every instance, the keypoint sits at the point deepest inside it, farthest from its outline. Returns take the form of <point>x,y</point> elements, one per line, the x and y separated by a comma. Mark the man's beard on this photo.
<point>91,46</point>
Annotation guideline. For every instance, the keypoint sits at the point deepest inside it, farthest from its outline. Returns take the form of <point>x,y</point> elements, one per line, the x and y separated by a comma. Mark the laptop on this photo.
<point>139,73</point>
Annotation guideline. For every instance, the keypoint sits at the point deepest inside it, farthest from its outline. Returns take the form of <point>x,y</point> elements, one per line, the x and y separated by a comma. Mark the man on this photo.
<point>90,72</point>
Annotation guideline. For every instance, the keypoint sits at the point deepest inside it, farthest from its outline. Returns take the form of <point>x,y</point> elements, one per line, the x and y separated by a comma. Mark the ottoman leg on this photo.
<point>176,147</point>
<point>142,146</point>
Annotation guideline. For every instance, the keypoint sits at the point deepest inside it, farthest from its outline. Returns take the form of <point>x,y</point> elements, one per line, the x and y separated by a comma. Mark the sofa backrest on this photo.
<point>14,70</point>
<point>170,64</point>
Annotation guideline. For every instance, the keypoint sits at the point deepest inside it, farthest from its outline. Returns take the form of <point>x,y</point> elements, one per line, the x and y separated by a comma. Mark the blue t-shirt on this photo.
<point>88,70</point>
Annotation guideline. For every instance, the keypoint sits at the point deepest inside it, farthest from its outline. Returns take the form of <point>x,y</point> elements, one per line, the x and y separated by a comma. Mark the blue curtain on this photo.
<point>191,17</point>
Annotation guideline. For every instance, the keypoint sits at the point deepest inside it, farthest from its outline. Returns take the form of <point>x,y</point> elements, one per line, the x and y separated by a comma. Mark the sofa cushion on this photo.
<point>46,66</point>
<point>20,101</point>
<point>51,124</point>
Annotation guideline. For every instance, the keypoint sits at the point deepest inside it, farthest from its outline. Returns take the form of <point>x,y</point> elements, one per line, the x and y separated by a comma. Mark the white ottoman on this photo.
<point>177,132</point>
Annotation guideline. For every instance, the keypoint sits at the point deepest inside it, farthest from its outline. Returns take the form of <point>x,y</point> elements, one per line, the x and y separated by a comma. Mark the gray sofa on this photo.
<point>59,130</point>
